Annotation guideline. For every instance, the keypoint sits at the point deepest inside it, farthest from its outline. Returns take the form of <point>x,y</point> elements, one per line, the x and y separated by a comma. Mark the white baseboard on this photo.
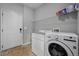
<point>26,43</point>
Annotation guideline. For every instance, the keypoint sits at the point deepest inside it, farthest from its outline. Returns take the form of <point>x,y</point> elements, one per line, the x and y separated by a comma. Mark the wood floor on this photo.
<point>25,50</point>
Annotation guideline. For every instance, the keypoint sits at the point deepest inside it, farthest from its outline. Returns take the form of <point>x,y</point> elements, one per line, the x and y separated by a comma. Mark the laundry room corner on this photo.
<point>46,19</point>
<point>39,29</point>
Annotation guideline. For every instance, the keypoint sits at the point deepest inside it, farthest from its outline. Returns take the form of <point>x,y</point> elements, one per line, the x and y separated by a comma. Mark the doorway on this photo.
<point>11,29</point>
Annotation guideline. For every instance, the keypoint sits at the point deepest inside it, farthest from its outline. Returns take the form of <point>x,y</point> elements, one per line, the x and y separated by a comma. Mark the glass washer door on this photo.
<point>58,49</point>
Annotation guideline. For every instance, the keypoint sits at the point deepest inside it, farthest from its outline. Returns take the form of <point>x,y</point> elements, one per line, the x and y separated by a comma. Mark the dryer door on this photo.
<point>57,48</point>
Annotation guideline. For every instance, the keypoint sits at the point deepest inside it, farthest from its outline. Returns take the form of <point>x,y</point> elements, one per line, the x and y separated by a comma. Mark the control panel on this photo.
<point>54,37</point>
<point>70,38</point>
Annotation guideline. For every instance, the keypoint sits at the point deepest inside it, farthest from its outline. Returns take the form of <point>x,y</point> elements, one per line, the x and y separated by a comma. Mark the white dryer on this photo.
<point>61,44</point>
<point>38,44</point>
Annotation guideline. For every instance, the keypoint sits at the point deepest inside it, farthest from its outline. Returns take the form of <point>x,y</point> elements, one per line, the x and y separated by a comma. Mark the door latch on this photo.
<point>20,29</point>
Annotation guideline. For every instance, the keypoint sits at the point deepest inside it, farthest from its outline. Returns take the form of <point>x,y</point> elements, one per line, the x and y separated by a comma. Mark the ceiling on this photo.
<point>33,5</point>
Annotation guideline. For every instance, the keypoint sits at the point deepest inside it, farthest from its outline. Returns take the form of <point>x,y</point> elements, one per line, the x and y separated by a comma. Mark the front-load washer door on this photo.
<point>57,48</point>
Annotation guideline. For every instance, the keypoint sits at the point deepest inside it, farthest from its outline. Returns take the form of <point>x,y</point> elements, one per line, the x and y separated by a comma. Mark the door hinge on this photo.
<point>2,30</point>
<point>2,46</point>
<point>2,14</point>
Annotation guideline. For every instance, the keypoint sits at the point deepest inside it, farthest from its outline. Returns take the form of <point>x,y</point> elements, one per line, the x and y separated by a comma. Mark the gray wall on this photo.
<point>46,19</point>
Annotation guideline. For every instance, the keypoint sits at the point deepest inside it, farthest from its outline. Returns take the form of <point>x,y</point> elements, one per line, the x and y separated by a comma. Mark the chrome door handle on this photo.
<point>20,29</point>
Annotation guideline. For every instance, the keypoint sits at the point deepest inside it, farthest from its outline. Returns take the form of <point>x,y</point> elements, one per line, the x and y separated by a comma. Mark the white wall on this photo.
<point>46,18</point>
<point>28,17</point>
<point>49,10</point>
<point>13,6</point>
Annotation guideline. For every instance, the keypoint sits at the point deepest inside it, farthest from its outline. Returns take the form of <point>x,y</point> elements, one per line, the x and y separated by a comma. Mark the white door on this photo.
<point>11,29</point>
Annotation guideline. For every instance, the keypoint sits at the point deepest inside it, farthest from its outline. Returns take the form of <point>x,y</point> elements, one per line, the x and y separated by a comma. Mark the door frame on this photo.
<point>1,27</point>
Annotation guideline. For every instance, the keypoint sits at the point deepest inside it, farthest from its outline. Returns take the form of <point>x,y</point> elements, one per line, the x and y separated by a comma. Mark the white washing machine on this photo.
<point>61,44</point>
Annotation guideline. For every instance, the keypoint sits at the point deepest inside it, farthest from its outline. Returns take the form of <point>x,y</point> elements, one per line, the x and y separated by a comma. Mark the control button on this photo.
<point>70,37</point>
<point>57,38</point>
<point>49,36</point>
<point>74,47</point>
